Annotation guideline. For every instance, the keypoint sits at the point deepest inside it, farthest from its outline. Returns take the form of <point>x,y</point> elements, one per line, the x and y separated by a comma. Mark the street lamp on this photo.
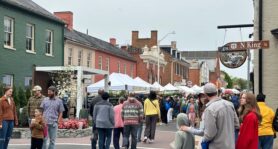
<point>158,53</point>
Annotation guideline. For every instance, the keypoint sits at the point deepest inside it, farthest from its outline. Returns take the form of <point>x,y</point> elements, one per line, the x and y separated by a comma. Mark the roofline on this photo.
<point>116,55</point>
<point>99,50</point>
<point>30,11</point>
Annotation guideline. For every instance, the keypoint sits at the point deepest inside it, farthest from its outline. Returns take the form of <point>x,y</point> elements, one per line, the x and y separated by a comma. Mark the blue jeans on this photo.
<point>265,142</point>
<point>116,137</point>
<point>130,130</point>
<point>139,132</point>
<point>94,138</point>
<point>6,133</point>
<point>52,134</point>
<point>104,138</point>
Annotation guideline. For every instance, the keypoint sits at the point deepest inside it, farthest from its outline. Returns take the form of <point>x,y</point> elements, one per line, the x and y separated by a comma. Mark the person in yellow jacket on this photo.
<point>266,131</point>
<point>152,114</point>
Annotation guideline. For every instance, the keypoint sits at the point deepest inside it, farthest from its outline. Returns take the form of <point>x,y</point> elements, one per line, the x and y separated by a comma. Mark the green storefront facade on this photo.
<point>29,36</point>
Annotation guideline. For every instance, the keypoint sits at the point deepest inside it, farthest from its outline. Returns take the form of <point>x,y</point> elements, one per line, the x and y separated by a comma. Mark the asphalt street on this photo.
<point>164,136</point>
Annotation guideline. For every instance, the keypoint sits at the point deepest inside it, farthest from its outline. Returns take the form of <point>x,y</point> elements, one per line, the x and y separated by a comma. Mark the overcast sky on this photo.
<point>195,22</point>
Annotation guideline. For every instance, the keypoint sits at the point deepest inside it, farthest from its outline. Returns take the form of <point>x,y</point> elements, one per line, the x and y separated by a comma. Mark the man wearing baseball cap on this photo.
<point>34,101</point>
<point>220,120</point>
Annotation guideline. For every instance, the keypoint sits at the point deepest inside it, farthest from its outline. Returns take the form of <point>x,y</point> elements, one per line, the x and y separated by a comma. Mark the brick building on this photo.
<point>205,66</point>
<point>145,51</point>
<point>84,50</point>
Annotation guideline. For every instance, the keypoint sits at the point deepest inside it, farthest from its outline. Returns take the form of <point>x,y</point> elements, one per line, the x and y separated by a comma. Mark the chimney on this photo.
<point>174,45</point>
<point>113,41</point>
<point>154,36</point>
<point>67,17</point>
<point>124,48</point>
<point>134,38</point>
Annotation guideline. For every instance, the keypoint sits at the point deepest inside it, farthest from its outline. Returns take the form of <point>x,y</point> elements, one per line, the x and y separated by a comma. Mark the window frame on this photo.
<point>108,64</point>
<point>30,83</point>
<point>49,42</point>
<point>119,66</point>
<point>80,58</point>
<point>9,32</point>
<point>70,54</point>
<point>11,80</point>
<point>125,68</point>
<point>100,62</point>
<point>32,50</point>
<point>89,59</point>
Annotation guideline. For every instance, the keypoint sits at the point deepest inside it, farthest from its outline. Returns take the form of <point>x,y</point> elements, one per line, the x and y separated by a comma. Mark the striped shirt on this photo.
<point>132,112</point>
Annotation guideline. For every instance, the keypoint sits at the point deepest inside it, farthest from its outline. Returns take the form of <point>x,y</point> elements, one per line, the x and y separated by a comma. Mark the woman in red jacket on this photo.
<point>8,117</point>
<point>250,117</point>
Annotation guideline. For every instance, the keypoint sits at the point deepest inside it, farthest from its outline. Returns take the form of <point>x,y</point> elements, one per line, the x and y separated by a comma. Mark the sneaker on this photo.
<point>145,139</point>
<point>151,141</point>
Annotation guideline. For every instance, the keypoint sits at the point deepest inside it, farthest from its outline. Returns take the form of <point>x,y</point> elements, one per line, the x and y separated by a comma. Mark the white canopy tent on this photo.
<point>170,87</point>
<point>81,73</point>
<point>118,82</point>
<point>197,89</point>
<point>186,90</point>
<point>143,82</point>
<point>156,86</point>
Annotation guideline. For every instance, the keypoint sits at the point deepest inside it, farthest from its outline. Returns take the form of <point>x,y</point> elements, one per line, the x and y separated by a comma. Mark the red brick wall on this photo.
<point>194,76</point>
<point>114,64</point>
<point>141,42</point>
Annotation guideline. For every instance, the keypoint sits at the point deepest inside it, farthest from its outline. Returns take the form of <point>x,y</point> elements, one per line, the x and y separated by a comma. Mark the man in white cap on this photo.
<point>34,101</point>
<point>220,120</point>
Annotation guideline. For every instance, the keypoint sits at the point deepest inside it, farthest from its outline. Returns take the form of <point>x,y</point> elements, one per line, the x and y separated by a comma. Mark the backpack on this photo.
<point>275,121</point>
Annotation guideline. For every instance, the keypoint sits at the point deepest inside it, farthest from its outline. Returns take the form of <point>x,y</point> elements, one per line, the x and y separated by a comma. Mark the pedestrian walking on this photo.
<point>53,109</point>
<point>132,114</point>
<point>220,120</point>
<point>95,100</point>
<point>170,104</point>
<point>34,102</point>
<point>103,117</point>
<point>266,131</point>
<point>183,139</point>
<point>8,117</point>
<point>119,124</point>
<point>37,127</point>
<point>250,117</point>
<point>163,109</point>
<point>140,127</point>
<point>152,113</point>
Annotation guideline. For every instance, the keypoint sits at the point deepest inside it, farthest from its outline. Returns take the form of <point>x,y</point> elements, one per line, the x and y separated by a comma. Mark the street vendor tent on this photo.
<point>197,89</point>
<point>156,86</point>
<point>143,82</point>
<point>186,89</point>
<point>118,82</point>
<point>170,87</point>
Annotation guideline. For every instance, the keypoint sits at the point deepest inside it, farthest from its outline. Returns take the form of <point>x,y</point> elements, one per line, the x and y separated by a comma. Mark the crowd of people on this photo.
<point>44,115</point>
<point>241,121</point>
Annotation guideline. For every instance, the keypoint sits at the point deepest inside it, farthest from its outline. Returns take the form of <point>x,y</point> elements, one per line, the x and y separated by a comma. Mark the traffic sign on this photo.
<point>242,46</point>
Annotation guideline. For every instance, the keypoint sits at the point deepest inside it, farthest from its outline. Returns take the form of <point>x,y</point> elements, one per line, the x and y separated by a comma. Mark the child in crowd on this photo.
<point>38,130</point>
<point>183,139</point>
<point>192,115</point>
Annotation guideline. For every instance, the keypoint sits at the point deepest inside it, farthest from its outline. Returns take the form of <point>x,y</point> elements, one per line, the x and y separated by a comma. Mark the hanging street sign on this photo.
<point>234,54</point>
<point>242,46</point>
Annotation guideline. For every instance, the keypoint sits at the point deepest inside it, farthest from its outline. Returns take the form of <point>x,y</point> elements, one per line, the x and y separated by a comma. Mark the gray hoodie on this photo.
<point>183,140</point>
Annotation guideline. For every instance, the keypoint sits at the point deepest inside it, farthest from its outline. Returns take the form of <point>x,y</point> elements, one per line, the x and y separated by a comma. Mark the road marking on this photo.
<point>75,144</point>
